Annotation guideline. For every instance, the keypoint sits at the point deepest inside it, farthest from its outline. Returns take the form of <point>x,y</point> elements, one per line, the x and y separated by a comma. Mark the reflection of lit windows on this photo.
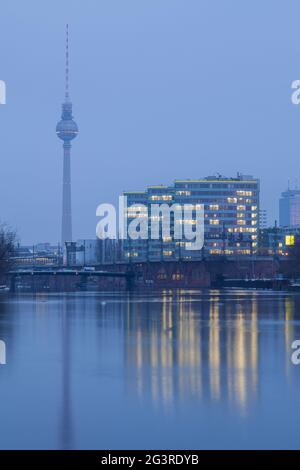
<point>214,222</point>
<point>253,222</point>
<point>232,200</point>
<point>161,276</point>
<point>254,215</point>
<point>167,239</point>
<point>177,277</point>
<point>253,208</point>
<point>240,215</point>
<point>241,222</point>
<point>290,240</point>
<point>241,208</point>
<point>167,252</point>
<point>214,207</point>
<point>132,254</point>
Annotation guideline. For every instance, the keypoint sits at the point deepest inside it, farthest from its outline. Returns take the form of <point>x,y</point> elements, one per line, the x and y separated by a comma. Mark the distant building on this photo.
<point>81,253</point>
<point>92,252</point>
<point>278,240</point>
<point>41,254</point>
<point>289,208</point>
<point>86,254</point>
<point>109,251</point>
<point>231,218</point>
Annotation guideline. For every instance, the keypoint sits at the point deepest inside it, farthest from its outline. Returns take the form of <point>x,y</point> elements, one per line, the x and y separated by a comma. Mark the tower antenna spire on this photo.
<point>67,62</point>
<point>66,130</point>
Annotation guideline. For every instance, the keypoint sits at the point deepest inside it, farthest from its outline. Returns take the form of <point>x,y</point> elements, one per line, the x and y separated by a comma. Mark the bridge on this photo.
<point>81,274</point>
<point>162,275</point>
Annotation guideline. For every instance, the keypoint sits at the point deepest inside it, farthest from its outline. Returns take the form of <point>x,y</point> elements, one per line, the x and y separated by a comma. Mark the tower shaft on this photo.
<point>66,233</point>
<point>66,130</point>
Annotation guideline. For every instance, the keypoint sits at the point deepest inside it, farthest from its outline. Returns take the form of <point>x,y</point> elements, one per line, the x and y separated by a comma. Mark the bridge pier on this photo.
<point>33,286</point>
<point>130,281</point>
<point>83,283</point>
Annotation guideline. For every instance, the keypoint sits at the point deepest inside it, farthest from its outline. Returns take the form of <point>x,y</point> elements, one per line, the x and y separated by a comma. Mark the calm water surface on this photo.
<point>178,369</point>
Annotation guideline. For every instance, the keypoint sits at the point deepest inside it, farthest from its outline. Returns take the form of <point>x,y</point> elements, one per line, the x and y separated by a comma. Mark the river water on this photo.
<point>170,370</point>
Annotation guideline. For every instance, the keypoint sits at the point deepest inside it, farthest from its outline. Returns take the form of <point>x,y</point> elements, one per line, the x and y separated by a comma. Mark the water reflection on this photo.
<point>77,362</point>
<point>190,346</point>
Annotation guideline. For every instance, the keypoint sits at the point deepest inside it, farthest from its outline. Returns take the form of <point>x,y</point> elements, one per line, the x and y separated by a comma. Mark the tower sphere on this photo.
<point>66,129</point>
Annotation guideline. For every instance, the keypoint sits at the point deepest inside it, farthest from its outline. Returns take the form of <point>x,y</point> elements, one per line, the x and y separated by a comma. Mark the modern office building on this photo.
<point>289,208</point>
<point>231,218</point>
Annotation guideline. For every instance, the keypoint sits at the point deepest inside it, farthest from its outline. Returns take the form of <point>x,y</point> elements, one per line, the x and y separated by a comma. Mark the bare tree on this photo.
<point>7,245</point>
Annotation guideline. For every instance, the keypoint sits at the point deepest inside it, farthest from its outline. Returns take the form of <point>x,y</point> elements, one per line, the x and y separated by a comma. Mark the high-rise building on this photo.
<point>231,218</point>
<point>66,130</point>
<point>289,208</point>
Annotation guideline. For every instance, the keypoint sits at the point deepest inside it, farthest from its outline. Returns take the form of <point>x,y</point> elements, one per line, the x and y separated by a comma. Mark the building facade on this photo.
<point>278,240</point>
<point>289,208</point>
<point>231,218</point>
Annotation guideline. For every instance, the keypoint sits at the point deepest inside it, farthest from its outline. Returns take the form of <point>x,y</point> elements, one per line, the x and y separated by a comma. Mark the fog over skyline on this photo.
<point>161,90</point>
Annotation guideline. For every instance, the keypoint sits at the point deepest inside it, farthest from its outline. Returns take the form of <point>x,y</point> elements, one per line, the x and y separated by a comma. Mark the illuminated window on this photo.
<point>232,200</point>
<point>214,207</point>
<point>241,208</point>
<point>214,222</point>
<point>244,193</point>
<point>183,193</point>
<point>161,197</point>
<point>290,240</point>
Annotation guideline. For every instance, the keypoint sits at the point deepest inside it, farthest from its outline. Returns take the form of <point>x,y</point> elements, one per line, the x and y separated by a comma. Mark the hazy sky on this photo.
<point>161,89</point>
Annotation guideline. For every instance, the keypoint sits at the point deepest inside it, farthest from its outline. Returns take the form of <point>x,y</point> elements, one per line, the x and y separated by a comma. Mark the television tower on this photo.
<point>66,130</point>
